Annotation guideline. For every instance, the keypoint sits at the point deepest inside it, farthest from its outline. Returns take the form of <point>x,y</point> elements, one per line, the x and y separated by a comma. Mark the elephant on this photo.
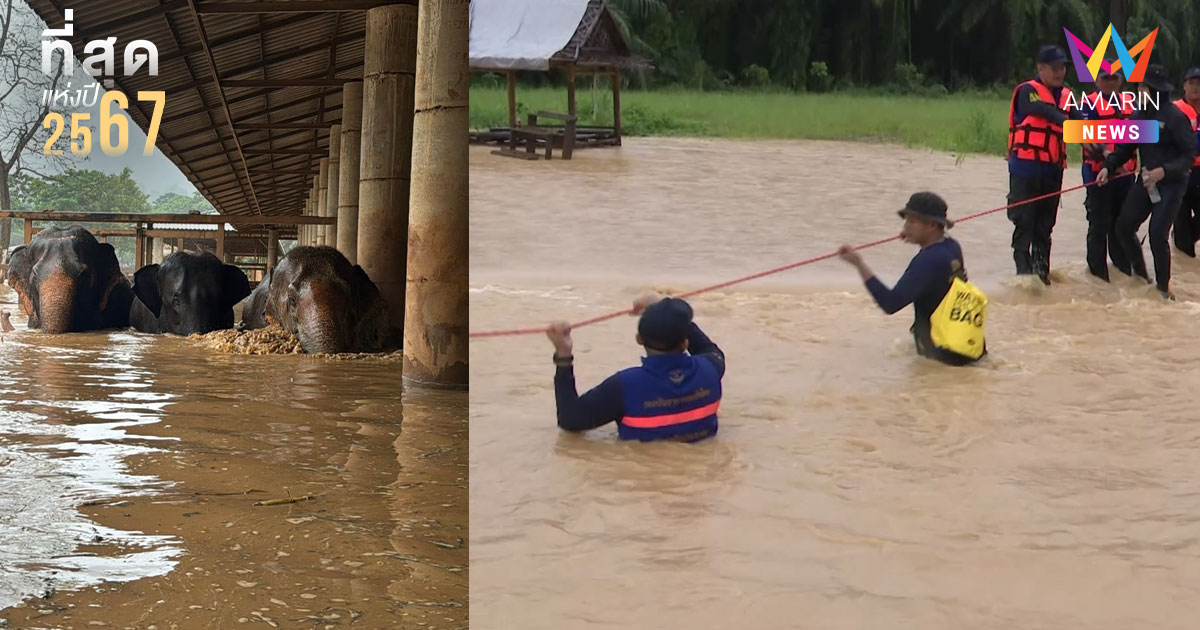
<point>330,305</point>
<point>188,293</point>
<point>67,281</point>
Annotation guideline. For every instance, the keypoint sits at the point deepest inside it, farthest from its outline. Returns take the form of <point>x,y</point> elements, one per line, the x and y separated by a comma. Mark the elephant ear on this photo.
<point>145,287</point>
<point>234,285</point>
<point>20,266</point>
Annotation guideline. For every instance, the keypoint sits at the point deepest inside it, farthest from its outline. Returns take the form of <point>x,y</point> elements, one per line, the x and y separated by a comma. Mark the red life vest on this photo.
<point>1037,138</point>
<point>1105,111</point>
<point>1190,112</point>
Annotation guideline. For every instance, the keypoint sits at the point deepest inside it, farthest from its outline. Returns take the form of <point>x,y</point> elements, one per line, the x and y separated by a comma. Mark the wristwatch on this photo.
<point>563,361</point>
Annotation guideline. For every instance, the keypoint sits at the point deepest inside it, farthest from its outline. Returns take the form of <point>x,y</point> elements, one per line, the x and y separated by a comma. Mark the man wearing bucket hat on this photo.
<point>673,395</point>
<point>929,275</point>
<point>1162,182</point>
<point>1187,221</point>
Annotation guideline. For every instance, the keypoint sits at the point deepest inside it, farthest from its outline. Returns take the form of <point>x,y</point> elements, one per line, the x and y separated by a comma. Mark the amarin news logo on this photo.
<point>1140,131</point>
<point>1087,72</point>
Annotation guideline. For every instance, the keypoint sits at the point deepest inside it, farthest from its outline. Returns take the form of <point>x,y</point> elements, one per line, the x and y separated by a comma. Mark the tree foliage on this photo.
<point>954,44</point>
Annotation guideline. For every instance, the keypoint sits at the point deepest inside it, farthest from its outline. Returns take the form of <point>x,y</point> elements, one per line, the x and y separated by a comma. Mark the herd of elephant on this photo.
<point>67,281</point>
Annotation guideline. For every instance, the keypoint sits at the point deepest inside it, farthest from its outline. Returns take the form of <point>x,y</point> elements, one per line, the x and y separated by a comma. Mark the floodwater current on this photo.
<point>130,466</point>
<point>852,484</point>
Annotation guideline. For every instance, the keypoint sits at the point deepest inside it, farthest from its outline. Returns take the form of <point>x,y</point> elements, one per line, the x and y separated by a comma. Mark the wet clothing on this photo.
<point>1036,173</point>
<point>1174,152</point>
<point>1103,206</point>
<point>924,283</point>
<point>1187,221</point>
<point>670,396</point>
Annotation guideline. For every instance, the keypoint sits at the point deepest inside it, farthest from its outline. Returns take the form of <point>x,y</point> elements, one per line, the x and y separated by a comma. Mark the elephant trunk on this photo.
<point>56,302</point>
<point>322,320</point>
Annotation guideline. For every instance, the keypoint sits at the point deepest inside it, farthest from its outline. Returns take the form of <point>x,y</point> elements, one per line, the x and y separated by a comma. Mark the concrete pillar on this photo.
<point>435,317</point>
<point>331,195</point>
<point>323,201</point>
<point>389,64</point>
<point>156,249</point>
<point>272,249</point>
<point>348,171</point>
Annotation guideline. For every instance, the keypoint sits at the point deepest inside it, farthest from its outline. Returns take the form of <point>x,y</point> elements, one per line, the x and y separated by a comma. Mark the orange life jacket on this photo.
<point>1104,111</point>
<point>1037,138</point>
<point>1190,112</point>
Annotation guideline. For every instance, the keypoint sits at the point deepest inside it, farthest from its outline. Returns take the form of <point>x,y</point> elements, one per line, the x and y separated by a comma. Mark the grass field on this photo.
<point>958,123</point>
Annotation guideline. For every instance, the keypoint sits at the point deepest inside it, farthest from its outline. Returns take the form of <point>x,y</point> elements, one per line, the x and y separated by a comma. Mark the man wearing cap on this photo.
<point>1037,156</point>
<point>1187,222</point>
<point>1103,203</point>
<point>929,274</point>
<point>673,395</point>
<point>1165,168</point>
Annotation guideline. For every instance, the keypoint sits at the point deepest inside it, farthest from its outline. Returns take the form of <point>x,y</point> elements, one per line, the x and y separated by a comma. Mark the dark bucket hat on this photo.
<point>927,206</point>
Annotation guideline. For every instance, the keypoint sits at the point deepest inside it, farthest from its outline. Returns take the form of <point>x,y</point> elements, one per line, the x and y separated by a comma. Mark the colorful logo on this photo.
<point>1087,72</point>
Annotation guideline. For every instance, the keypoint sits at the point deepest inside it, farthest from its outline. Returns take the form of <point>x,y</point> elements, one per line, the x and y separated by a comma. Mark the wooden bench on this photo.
<point>532,133</point>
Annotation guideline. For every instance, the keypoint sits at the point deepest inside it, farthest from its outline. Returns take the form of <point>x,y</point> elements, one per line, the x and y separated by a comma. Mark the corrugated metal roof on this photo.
<point>273,42</point>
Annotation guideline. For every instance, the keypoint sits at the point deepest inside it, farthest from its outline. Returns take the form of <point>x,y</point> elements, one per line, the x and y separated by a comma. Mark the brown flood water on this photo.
<point>129,466</point>
<point>853,484</point>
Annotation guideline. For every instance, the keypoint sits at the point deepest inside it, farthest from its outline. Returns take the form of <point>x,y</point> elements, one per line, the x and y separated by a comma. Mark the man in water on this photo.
<point>1165,168</point>
<point>1103,203</point>
<point>1187,222</point>
<point>1037,155</point>
<point>929,275</point>
<point>673,395</point>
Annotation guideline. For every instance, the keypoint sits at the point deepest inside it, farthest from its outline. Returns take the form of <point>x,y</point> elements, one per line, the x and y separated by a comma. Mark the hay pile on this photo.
<point>269,340</point>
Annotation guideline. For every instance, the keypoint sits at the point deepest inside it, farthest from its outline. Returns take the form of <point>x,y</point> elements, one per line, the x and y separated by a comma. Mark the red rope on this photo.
<point>807,261</point>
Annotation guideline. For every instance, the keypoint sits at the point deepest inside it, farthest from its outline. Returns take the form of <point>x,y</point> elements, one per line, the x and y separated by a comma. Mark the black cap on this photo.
<point>1051,54</point>
<point>1103,74</point>
<point>1156,78</point>
<point>665,324</point>
<point>1192,73</point>
<point>928,206</point>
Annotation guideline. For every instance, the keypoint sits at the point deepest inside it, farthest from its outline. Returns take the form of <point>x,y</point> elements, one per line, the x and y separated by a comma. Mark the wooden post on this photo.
<point>616,89</point>
<point>331,194</point>
<point>435,317</point>
<point>138,246</point>
<point>512,99</point>
<point>389,63</point>
<point>272,249</point>
<point>571,90</point>
<point>147,248</point>
<point>28,230</point>
<point>179,244</point>
<point>221,242</point>
<point>348,171</point>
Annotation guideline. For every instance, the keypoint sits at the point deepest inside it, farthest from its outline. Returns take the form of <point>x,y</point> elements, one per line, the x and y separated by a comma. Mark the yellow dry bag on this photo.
<point>958,323</point>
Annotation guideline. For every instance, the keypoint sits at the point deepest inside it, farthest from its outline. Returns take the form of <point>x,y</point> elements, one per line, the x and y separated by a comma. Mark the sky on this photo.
<point>154,173</point>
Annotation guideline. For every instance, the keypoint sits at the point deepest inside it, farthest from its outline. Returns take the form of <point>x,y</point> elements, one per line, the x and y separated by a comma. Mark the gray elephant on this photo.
<point>330,305</point>
<point>67,281</point>
<point>188,293</point>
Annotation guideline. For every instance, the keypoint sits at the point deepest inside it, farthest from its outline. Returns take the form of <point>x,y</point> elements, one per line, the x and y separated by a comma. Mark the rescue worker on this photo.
<point>1036,159</point>
<point>1103,203</point>
<point>1165,168</point>
<point>929,275</point>
<point>1187,222</point>
<point>673,395</point>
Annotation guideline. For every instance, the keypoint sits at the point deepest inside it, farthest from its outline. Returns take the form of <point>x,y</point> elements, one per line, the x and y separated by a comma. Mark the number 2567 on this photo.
<point>81,134</point>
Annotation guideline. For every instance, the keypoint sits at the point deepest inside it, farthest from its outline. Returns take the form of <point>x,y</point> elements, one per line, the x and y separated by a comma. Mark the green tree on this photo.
<point>175,203</point>
<point>81,190</point>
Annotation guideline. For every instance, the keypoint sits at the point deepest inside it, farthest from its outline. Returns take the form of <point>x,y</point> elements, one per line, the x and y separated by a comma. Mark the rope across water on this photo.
<point>807,261</point>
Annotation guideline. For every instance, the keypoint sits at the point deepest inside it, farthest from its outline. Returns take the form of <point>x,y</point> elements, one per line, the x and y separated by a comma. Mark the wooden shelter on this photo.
<point>575,37</point>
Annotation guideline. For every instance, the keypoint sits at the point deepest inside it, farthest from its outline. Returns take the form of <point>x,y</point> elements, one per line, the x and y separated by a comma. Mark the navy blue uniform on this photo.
<point>924,284</point>
<point>670,396</point>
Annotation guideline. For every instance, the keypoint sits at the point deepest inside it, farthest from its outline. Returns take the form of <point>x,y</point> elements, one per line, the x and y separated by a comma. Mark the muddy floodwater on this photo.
<point>130,465</point>
<point>852,484</point>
